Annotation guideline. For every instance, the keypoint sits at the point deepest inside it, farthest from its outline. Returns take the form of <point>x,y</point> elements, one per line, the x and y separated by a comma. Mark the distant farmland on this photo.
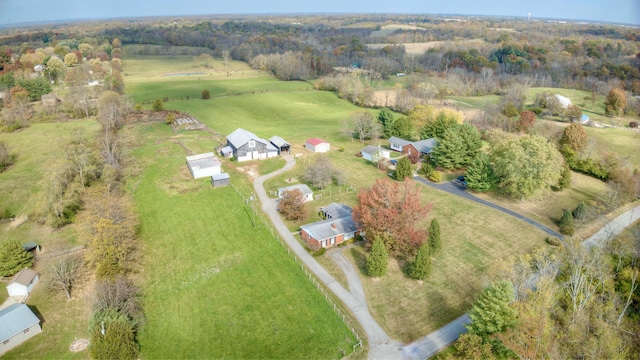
<point>420,48</point>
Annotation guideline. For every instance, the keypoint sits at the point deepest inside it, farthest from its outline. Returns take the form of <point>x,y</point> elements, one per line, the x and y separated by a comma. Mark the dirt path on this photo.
<point>381,346</point>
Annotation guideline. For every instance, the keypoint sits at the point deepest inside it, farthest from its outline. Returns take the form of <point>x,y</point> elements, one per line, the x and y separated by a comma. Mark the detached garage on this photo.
<point>317,145</point>
<point>17,324</point>
<point>22,283</point>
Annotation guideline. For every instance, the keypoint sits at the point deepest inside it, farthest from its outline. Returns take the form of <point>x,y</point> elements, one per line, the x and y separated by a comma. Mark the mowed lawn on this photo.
<point>214,285</point>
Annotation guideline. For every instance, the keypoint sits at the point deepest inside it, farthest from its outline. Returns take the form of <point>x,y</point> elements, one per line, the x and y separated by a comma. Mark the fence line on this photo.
<point>307,272</point>
<point>61,252</point>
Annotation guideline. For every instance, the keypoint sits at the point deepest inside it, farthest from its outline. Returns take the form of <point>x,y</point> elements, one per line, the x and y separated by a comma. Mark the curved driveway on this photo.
<point>460,191</point>
<point>381,346</point>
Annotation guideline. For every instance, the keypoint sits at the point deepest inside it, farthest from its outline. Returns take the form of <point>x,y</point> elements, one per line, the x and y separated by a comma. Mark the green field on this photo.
<point>215,286</point>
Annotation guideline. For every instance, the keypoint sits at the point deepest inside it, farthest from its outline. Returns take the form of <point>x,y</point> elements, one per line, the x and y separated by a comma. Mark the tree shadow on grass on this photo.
<point>360,259</point>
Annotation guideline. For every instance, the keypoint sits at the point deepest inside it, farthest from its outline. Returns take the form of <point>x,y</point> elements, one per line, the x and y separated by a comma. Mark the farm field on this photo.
<point>421,47</point>
<point>214,285</point>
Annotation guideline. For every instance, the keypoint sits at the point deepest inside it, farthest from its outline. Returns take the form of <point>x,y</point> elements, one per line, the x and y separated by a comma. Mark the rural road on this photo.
<point>460,191</point>
<point>613,227</point>
<point>381,346</point>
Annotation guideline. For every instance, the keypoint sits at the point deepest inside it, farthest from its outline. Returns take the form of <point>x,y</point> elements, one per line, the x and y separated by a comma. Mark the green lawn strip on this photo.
<point>37,147</point>
<point>473,237</point>
<point>216,286</point>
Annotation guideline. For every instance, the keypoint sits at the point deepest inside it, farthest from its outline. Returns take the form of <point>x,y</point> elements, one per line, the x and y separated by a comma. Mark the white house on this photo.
<point>317,145</point>
<point>17,324</point>
<point>565,102</point>
<point>23,282</point>
<point>375,153</point>
<point>304,189</point>
<point>203,165</point>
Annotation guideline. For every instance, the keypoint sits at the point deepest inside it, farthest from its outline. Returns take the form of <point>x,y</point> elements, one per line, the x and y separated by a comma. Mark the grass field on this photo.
<point>215,286</point>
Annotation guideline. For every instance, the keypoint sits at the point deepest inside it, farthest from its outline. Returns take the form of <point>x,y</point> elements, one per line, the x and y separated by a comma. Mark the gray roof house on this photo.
<point>336,210</point>
<point>248,146</point>
<point>280,144</point>
<point>337,228</point>
<point>424,146</point>
<point>304,189</point>
<point>17,324</point>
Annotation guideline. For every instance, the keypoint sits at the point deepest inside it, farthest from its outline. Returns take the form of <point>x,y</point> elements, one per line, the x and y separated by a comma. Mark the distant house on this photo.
<point>304,189</point>
<point>424,147</point>
<point>565,102</point>
<point>23,282</point>
<point>17,324</point>
<point>220,180</point>
<point>332,231</point>
<point>280,144</point>
<point>203,165</point>
<point>584,119</point>
<point>374,153</point>
<point>248,146</point>
<point>317,145</point>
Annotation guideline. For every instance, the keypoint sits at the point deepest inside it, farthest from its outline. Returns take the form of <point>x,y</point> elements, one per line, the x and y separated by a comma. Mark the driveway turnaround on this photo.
<point>381,346</point>
<point>460,191</point>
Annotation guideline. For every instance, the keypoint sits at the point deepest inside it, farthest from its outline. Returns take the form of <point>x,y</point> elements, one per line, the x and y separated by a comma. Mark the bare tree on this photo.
<point>363,126</point>
<point>226,57</point>
<point>120,295</point>
<point>63,273</point>
<point>111,109</point>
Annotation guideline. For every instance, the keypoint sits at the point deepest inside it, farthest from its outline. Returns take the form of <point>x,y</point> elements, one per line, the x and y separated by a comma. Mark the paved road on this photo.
<point>437,340</point>
<point>613,228</point>
<point>460,191</point>
<point>381,346</point>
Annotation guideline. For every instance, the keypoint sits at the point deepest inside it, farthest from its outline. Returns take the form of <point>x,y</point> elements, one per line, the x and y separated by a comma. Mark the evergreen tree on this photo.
<point>118,340</point>
<point>580,211</point>
<point>403,169</point>
<point>378,259</point>
<point>421,267</point>
<point>13,258</point>
<point>450,152</point>
<point>491,312</point>
<point>480,176</point>
<point>385,117</point>
<point>472,142</point>
<point>565,178</point>
<point>434,237</point>
<point>566,223</point>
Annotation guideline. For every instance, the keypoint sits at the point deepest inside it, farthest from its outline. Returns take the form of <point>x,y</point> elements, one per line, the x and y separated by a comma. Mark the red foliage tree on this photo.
<point>527,120</point>
<point>390,211</point>
<point>292,205</point>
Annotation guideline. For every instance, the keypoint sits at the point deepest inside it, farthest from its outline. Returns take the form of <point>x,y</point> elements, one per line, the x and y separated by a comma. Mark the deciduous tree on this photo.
<point>574,113</point>
<point>615,102</point>
<point>390,211</point>
<point>362,126</point>
<point>526,122</point>
<point>292,205</point>
<point>321,173</point>
<point>111,110</point>
<point>63,273</point>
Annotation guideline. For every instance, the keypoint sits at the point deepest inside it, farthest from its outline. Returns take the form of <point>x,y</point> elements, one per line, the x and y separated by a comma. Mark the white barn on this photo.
<point>317,145</point>
<point>203,165</point>
<point>23,282</point>
<point>304,189</point>
<point>17,324</point>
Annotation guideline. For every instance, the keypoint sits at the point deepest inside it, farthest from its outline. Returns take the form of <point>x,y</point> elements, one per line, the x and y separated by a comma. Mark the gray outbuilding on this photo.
<point>17,325</point>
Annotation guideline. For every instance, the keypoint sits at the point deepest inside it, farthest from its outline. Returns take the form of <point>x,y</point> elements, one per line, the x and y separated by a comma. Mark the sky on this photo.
<point>19,11</point>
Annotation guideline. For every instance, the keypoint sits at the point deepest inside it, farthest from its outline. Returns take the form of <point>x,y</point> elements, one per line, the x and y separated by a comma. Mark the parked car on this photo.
<point>394,162</point>
<point>461,180</point>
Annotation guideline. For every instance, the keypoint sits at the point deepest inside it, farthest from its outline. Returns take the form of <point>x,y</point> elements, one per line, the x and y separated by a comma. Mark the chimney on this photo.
<point>333,226</point>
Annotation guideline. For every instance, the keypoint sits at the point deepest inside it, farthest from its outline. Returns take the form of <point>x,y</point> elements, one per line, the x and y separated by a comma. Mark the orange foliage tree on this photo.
<point>391,211</point>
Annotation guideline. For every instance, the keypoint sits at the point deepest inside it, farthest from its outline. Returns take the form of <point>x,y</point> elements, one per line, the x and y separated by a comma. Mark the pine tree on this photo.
<point>566,223</point>
<point>13,258</point>
<point>491,312</point>
<point>580,211</point>
<point>565,178</point>
<point>378,259</point>
<point>472,142</point>
<point>403,169</point>
<point>434,237</point>
<point>450,152</point>
<point>480,176</point>
<point>421,267</point>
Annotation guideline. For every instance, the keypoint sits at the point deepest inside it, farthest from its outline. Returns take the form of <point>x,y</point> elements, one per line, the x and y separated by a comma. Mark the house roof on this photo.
<point>30,246</point>
<point>337,210</point>
<point>241,137</point>
<point>584,118</point>
<point>325,229</point>
<point>278,141</point>
<point>399,141</point>
<point>302,187</point>
<point>370,149</point>
<point>14,319</point>
<point>203,161</point>
<point>220,177</point>
<point>564,101</point>
<point>315,141</point>
<point>426,145</point>
<point>24,277</point>
<point>226,150</point>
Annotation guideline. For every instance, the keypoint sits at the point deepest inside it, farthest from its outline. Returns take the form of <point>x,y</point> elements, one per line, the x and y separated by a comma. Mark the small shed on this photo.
<point>304,189</point>
<point>31,246</point>
<point>317,145</point>
<point>375,153</point>
<point>23,283</point>
<point>280,144</point>
<point>226,152</point>
<point>17,324</point>
<point>220,180</point>
<point>203,165</point>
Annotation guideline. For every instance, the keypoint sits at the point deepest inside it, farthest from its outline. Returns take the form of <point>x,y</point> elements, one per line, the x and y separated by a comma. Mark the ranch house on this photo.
<point>245,145</point>
<point>17,325</point>
<point>332,231</point>
<point>424,147</point>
